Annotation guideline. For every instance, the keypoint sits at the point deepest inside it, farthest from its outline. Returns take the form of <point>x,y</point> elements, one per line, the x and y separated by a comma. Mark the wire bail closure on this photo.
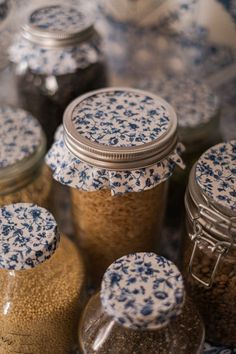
<point>220,248</point>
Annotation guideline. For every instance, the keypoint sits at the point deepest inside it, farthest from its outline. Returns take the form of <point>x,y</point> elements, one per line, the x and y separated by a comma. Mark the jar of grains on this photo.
<point>210,251</point>
<point>198,113</point>
<point>57,56</point>
<point>118,150</point>
<point>23,175</point>
<point>41,291</point>
<point>141,308</point>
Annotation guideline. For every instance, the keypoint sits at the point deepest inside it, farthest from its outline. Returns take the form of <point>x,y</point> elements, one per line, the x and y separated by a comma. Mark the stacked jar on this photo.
<point>24,177</point>
<point>42,283</point>
<point>209,261</point>
<point>141,308</point>
<point>117,150</point>
<point>57,56</point>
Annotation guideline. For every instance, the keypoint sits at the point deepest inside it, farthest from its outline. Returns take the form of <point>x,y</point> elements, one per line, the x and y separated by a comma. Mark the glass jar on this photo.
<point>42,283</point>
<point>24,177</point>
<point>57,56</point>
<point>117,152</point>
<point>198,113</point>
<point>210,250</point>
<point>141,308</point>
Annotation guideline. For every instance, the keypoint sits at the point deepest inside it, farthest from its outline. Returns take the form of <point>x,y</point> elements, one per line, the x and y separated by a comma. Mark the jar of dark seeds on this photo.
<point>198,113</point>
<point>24,177</point>
<point>42,283</point>
<point>210,250</point>
<point>57,56</point>
<point>141,308</point>
<point>117,152</point>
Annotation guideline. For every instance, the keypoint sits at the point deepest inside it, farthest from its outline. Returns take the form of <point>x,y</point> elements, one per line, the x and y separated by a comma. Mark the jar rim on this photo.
<point>119,158</point>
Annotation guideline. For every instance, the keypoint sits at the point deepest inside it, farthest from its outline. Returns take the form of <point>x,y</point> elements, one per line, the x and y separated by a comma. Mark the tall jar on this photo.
<point>210,250</point>
<point>198,112</point>
<point>118,149</point>
<point>141,308</point>
<point>42,283</point>
<point>24,177</point>
<point>56,57</point>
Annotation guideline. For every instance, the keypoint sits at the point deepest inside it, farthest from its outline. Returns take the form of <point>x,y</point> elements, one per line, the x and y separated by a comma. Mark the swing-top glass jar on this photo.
<point>141,308</point>
<point>24,177</point>
<point>210,251</point>
<point>41,283</point>
<point>118,150</point>
<point>57,56</point>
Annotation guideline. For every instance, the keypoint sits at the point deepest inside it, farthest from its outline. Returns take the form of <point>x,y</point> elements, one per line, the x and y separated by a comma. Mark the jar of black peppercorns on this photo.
<point>56,57</point>
<point>210,250</point>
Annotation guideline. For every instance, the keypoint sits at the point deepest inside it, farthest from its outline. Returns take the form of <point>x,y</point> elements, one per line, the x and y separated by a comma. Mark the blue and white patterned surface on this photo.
<point>69,170</point>
<point>20,135</point>
<point>122,118</point>
<point>193,101</point>
<point>216,174</point>
<point>142,291</point>
<point>28,236</point>
<point>59,18</point>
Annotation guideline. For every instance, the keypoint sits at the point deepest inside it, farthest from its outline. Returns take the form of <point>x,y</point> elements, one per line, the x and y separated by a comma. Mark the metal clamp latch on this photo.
<point>218,247</point>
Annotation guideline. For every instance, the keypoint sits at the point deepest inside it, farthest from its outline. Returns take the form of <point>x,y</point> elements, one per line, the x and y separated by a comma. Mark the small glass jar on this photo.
<point>57,57</point>
<point>117,152</point>
<point>210,250</point>
<point>42,283</point>
<point>141,308</point>
<point>24,177</point>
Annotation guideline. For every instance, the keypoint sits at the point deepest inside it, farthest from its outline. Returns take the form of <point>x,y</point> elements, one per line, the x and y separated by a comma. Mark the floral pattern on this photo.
<point>28,236</point>
<point>193,101</point>
<point>57,60</point>
<point>142,291</point>
<point>216,174</point>
<point>20,135</point>
<point>59,18</point>
<point>122,118</point>
<point>69,170</point>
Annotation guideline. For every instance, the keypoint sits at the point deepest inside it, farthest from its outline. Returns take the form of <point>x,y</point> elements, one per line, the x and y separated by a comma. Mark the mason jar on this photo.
<point>141,308</point>
<point>42,283</point>
<point>24,177</point>
<point>56,57</point>
<point>198,112</point>
<point>117,150</point>
<point>210,250</point>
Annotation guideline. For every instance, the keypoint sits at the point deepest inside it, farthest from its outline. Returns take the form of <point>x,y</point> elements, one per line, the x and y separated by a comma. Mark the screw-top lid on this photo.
<point>142,291</point>
<point>57,25</point>
<point>120,128</point>
<point>28,236</point>
<point>216,176</point>
<point>20,135</point>
<point>194,102</point>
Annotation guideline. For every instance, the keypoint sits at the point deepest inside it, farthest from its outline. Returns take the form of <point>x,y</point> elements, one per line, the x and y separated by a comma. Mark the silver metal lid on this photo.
<point>58,26</point>
<point>120,128</point>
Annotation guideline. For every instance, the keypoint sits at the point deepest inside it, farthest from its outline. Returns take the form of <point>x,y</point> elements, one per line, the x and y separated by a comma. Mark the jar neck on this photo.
<point>22,173</point>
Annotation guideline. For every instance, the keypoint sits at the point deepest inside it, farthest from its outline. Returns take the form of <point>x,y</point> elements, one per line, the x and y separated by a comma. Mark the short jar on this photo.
<point>24,177</point>
<point>42,283</point>
<point>117,150</point>
<point>210,249</point>
<point>141,308</point>
<point>56,57</point>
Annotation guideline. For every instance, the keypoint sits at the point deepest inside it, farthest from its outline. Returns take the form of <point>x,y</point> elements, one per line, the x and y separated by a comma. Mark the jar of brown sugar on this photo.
<point>57,56</point>
<point>141,308</point>
<point>24,177</point>
<point>210,250</point>
<point>42,283</point>
<point>118,149</point>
